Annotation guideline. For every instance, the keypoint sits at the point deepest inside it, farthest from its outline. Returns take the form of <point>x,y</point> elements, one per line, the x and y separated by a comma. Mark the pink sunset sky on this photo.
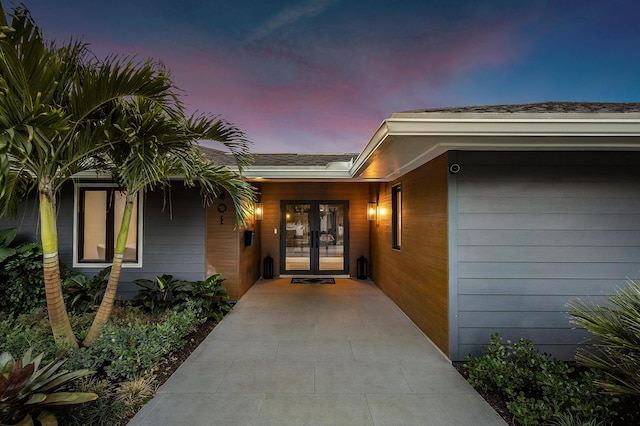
<point>322,75</point>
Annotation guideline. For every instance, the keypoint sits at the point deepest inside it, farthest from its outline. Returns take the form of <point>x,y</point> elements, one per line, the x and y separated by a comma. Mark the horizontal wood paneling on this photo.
<point>416,276</point>
<point>536,230</point>
<point>222,242</point>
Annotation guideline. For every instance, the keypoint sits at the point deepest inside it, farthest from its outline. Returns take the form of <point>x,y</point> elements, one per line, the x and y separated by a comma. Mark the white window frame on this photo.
<point>76,227</point>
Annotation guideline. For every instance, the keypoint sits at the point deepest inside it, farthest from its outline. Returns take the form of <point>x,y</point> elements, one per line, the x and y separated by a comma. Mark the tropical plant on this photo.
<point>20,273</point>
<point>149,147</point>
<point>209,297</point>
<point>159,295</point>
<point>107,410</point>
<point>83,294</point>
<point>568,419</point>
<point>615,350</point>
<point>26,389</point>
<point>55,105</point>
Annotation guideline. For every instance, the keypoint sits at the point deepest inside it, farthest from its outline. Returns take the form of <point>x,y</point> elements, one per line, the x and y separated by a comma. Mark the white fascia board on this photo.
<point>540,125</point>
<point>517,131</point>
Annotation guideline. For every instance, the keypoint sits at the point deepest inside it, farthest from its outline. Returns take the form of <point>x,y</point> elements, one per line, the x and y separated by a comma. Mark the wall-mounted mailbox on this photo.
<point>248,238</point>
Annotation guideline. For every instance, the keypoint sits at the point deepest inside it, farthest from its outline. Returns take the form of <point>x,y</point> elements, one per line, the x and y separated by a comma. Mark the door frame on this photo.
<point>314,246</point>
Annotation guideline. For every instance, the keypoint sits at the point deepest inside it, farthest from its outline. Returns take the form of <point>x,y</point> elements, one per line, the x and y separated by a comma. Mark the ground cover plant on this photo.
<point>135,352</point>
<point>527,387</point>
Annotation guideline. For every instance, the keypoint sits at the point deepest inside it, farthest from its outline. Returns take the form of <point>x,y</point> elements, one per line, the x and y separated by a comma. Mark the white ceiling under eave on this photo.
<point>406,141</point>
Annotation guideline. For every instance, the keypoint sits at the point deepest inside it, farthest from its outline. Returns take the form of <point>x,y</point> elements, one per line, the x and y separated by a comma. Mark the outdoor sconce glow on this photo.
<point>371,211</point>
<point>258,211</point>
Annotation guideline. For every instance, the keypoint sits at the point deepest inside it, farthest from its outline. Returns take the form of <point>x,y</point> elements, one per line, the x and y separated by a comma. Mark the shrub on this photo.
<point>208,296</point>
<point>161,294</point>
<point>83,294</point>
<point>28,331</point>
<point>129,351</point>
<point>616,348</point>
<point>536,386</point>
<point>21,274</point>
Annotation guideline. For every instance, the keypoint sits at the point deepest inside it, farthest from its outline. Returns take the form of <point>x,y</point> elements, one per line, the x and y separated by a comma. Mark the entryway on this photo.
<point>316,354</point>
<point>315,237</point>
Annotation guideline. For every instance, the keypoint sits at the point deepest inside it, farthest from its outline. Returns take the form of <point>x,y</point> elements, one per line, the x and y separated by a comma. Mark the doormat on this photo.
<point>313,281</point>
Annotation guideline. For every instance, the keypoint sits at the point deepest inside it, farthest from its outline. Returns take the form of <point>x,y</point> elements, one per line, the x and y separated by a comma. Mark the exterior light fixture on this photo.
<point>258,211</point>
<point>371,211</point>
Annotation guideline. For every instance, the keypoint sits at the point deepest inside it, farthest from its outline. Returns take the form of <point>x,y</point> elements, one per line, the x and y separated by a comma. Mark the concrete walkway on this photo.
<point>316,354</point>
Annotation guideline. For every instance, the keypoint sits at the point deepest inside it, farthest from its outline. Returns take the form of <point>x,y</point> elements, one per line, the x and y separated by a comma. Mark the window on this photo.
<point>99,210</point>
<point>396,216</point>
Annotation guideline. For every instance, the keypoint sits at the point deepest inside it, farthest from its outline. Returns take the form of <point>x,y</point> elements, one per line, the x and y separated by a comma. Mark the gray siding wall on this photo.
<point>533,231</point>
<point>173,239</point>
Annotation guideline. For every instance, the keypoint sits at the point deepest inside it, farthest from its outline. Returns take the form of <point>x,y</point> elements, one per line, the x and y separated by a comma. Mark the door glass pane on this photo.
<point>297,250</point>
<point>331,237</point>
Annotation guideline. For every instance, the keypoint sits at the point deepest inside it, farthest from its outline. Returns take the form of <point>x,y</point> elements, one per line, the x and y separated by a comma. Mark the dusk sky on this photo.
<point>321,75</point>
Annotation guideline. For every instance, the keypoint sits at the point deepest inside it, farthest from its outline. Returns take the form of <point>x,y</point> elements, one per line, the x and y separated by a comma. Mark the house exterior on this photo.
<point>473,220</point>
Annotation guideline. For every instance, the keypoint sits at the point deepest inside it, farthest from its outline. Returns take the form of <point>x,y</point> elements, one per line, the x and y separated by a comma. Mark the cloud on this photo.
<point>286,17</point>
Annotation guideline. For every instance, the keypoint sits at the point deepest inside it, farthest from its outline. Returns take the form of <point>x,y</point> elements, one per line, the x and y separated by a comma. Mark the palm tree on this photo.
<point>150,146</point>
<point>54,104</point>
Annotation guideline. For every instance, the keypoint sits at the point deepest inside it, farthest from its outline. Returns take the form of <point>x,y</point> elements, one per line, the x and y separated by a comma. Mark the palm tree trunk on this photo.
<point>58,318</point>
<point>106,306</point>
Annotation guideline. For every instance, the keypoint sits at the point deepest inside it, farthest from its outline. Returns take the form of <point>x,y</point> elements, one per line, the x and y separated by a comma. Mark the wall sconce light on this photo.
<point>258,211</point>
<point>371,211</point>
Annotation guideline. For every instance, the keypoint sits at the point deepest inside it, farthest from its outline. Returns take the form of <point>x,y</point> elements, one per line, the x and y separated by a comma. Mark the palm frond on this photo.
<point>17,185</point>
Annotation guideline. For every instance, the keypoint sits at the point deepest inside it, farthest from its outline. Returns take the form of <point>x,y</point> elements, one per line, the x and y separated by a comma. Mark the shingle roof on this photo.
<point>281,159</point>
<point>542,107</point>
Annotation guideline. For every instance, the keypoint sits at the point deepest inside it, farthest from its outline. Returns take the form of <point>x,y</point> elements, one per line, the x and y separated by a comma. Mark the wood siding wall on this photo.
<point>534,231</point>
<point>226,253</point>
<point>173,235</point>
<point>416,276</point>
<point>356,193</point>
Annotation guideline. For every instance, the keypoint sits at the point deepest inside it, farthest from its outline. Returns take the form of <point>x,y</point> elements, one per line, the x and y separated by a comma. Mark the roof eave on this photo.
<point>407,140</point>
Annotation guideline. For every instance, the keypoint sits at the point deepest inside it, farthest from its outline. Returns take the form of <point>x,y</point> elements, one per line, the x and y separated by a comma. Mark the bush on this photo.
<point>28,331</point>
<point>159,295</point>
<point>127,352</point>
<point>82,294</point>
<point>208,296</point>
<point>21,274</point>
<point>616,348</point>
<point>536,386</point>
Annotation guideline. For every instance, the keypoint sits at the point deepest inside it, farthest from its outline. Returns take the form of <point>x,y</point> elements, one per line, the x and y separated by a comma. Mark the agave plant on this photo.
<point>27,389</point>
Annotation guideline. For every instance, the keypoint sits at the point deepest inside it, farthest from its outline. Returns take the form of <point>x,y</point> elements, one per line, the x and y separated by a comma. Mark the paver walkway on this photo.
<point>316,354</point>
